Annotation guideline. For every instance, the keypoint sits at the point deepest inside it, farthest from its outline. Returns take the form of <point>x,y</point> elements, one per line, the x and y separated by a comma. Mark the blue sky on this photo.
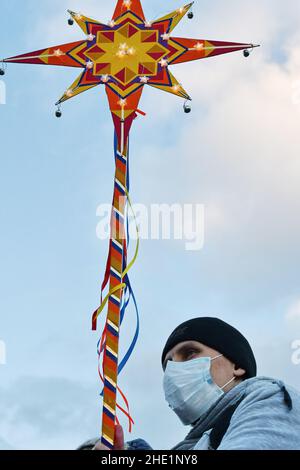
<point>237,153</point>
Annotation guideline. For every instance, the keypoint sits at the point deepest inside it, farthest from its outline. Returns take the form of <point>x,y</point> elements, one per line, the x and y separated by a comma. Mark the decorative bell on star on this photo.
<point>187,108</point>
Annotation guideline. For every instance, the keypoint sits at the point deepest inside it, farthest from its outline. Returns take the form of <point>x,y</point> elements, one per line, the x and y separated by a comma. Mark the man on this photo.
<point>210,383</point>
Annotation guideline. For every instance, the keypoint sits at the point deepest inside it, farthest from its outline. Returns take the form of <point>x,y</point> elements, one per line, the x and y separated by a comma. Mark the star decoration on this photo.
<point>127,54</point>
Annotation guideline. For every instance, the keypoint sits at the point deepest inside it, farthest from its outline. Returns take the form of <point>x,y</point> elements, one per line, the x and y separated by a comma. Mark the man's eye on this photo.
<point>192,352</point>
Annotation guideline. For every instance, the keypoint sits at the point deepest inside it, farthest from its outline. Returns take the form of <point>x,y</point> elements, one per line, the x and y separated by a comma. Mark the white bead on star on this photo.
<point>163,63</point>
<point>199,46</point>
<point>144,79</point>
<point>58,53</point>
<point>122,102</point>
<point>165,36</point>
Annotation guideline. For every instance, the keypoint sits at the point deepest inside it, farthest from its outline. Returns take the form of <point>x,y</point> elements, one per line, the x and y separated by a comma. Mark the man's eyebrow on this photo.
<point>183,349</point>
<point>187,347</point>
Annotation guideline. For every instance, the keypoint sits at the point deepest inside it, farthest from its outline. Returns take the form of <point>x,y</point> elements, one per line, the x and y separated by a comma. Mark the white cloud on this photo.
<point>292,316</point>
<point>55,30</point>
<point>5,445</point>
<point>47,413</point>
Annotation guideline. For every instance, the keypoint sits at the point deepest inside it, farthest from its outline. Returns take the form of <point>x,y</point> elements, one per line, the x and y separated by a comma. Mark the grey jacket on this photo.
<point>267,417</point>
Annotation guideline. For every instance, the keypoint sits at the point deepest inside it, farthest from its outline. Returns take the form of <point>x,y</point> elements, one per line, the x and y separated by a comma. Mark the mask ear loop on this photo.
<point>230,381</point>
<point>217,357</point>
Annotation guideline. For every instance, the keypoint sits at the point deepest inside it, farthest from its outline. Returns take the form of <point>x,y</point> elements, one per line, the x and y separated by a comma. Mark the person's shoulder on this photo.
<point>266,417</point>
<point>88,445</point>
<point>264,385</point>
<point>267,388</point>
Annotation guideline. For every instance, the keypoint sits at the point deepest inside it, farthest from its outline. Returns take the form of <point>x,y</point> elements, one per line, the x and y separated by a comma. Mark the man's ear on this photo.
<point>239,372</point>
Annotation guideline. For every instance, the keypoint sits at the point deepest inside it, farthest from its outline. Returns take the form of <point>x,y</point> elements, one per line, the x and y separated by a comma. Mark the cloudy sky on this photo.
<point>237,153</point>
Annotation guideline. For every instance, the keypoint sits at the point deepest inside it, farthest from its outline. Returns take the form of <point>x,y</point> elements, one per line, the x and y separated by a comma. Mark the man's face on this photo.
<point>222,369</point>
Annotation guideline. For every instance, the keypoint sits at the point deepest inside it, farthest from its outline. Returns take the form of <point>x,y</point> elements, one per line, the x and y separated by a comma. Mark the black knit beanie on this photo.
<point>215,334</point>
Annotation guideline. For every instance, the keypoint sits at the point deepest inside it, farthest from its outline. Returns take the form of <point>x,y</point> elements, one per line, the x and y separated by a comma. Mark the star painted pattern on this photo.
<point>126,55</point>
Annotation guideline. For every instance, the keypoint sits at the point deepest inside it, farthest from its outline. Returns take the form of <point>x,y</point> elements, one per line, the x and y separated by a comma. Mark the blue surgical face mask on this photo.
<point>189,388</point>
